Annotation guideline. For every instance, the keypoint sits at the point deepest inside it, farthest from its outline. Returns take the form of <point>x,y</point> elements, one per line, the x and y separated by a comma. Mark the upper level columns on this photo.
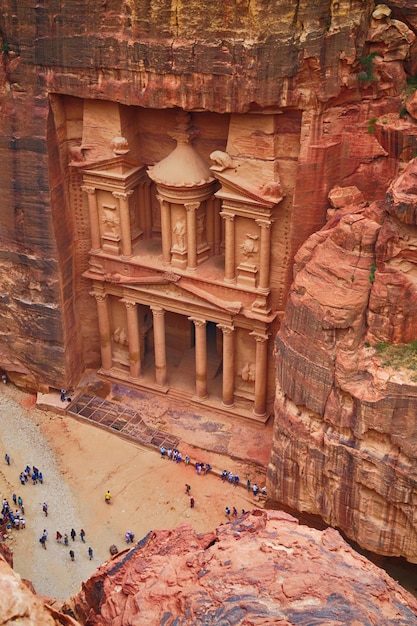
<point>133,338</point>
<point>200,357</point>
<point>93,217</point>
<point>191,209</point>
<point>160,348</point>
<point>125,230</point>
<point>166,231</point>
<point>228,364</point>
<point>104,329</point>
<point>265,254</point>
<point>261,360</point>
<point>229,264</point>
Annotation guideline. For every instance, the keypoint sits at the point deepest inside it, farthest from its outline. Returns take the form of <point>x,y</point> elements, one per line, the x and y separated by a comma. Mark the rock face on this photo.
<point>263,568</point>
<point>320,72</point>
<point>18,603</point>
<point>345,440</point>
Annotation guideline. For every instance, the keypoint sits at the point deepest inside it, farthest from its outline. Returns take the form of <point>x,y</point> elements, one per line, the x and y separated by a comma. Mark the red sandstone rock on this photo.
<point>18,603</point>
<point>345,440</point>
<point>263,568</point>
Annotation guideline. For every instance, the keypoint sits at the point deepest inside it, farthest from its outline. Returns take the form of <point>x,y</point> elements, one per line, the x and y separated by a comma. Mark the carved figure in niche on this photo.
<point>120,337</point>
<point>179,235</point>
<point>110,219</point>
<point>248,373</point>
<point>249,247</point>
<point>200,228</point>
<point>222,160</point>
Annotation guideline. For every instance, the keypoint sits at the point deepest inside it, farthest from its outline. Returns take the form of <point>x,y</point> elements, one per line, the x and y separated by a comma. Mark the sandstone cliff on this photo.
<point>325,70</point>
<point>263,568</point>
<point>345,440</point>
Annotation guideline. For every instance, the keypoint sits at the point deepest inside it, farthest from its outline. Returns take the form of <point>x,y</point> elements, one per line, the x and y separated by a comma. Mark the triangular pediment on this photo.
<point>248,182</point>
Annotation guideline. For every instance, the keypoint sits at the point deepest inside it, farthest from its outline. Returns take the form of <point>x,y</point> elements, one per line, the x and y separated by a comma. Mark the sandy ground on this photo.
<point>79,463</point>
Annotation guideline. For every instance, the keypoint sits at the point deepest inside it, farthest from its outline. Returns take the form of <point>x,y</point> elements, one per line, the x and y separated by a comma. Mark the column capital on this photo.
<point>191,206</point>
<point>157,311</point>
<point>122,195</point>
<point>259,336</point>
<point>227,329</point>
<point>88,189</point>
<point>227,216</point>
<point>129,304</point>
<point>264,223</point>
<point>100,297</point>
<point>197,321</point>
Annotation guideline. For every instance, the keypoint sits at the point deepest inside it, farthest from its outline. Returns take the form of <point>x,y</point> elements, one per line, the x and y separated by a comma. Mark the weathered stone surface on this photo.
<point>263,568</point>
<point>141,60</point>
<point>18,603</point>
<point>345,441</point>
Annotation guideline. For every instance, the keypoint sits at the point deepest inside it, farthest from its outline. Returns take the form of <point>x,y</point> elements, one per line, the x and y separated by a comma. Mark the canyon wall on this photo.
<point>345,439</point>
<point>323,70</point>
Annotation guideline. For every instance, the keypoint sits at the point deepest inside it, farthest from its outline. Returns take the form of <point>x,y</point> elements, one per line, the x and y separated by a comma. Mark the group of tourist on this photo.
<point>64,539</point>
<point>33,474</point>
<point>12,519</point>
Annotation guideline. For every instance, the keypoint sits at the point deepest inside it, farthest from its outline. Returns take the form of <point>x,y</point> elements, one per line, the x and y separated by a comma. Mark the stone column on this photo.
<point>228,364</point>
<point>93,216</point>
<point>261,361</point>
<point>104,329</point>
<point>125,230</point>
<point>265,254</point>
<point>166,231</point>
<point>229,236</point>
<point>160,349</point>
<point>200,357</point>
<point>133,337</point>
<point>191,209</point>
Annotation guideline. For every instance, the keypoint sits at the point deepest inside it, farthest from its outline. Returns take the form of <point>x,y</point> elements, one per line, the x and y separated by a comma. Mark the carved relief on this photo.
<point>249,246</point>
<point>179,232</point>
<point>120,337</point>
<point>248,372</point>
<point>110,220</point>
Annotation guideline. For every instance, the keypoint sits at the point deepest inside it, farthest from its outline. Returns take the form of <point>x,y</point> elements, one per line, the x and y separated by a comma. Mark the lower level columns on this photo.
<point>133,338</point>
<point>200,358</point>
<point>104,330</point>
<point>160,348</point>
<point>228,395</point>
<point>261,361</point>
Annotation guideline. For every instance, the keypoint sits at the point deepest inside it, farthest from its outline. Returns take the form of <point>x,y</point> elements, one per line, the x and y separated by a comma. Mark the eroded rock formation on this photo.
<point>263,568</point>
<point>345,440</point>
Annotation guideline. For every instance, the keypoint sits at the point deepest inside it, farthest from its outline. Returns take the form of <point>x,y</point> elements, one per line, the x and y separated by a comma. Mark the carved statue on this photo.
<point>179,234</point>
<point>110,220</point>
<point>248,372</point>
<point>249,247</point>
<point>222,160</point>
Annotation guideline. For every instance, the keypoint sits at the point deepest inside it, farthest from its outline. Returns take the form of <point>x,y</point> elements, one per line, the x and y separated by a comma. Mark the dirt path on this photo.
<point>80,462</point>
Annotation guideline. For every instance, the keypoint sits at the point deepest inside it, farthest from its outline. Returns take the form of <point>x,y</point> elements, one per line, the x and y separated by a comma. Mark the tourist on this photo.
<point>58,536</point>
<point>90,553</point>
<point>192,502</point>
<point>22,478</point>
<point>236,480</point>
<point>162,450</point>
<point>187,459</point>
<point>248,484</point>
<point>230,477</point>
<point>255,489</point>
<point>234,512</point>
<point>22,522</point>
<point>42,541</point>
<point>65,539</point>
<point>73,534</point>
<point>227,512</point>
<point>224,475</point>
<point>107,497</point>
<point>7,458</point>
<point>14,498</point>
<point>82,535</point>
<point>187,489</point>
<point>72,555</point>
<point>40,478</point>
<point>45,509</point>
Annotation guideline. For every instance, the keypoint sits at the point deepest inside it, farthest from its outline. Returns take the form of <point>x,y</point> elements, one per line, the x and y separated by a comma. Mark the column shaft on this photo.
<point>134,338</point>
<point>229,235</point>
<point>265,254</point>
<point>228,365</point>
<point>191,209</point>
<point>261,361</point>
<point>104,329</point>
<point>160,349</point>
<point>200,358</point>
<point>93,217</point>
<point>166,231</point>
